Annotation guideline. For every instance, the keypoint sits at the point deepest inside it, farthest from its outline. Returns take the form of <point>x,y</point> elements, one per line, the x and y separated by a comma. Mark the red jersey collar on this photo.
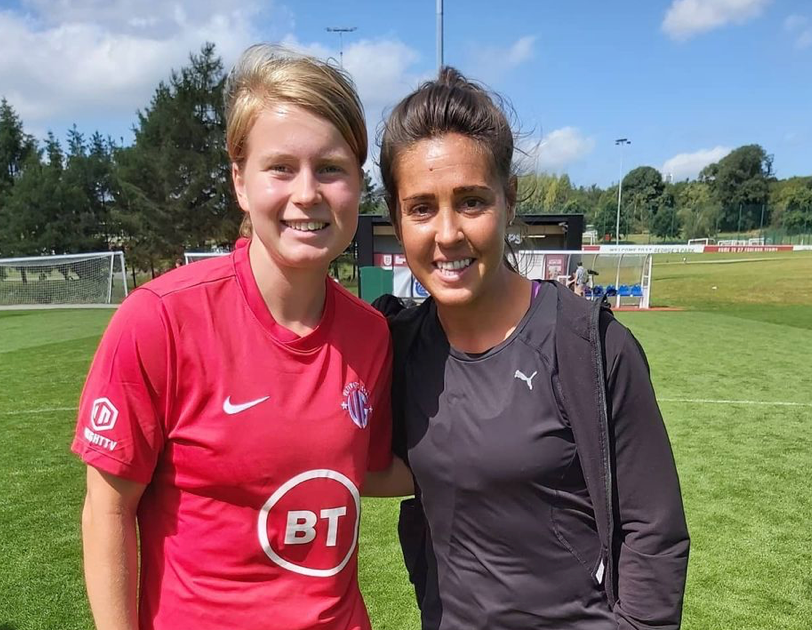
<point>256,303</point>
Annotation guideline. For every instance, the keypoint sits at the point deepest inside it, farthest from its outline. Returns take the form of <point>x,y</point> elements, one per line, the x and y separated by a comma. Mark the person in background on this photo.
<point>547,494</point>
<point>581,279</point>
<point>235,405</point>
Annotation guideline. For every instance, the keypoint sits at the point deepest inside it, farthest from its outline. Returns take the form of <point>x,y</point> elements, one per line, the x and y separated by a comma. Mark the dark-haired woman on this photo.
<point>547,491</point>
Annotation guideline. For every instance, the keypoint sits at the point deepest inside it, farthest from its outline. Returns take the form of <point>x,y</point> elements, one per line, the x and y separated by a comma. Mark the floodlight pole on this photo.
<point>341,31</point>
<point>622,142</point>
<point>439,36</point>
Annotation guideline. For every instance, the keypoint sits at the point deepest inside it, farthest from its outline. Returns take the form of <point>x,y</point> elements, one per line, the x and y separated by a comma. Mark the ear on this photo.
<point>239,186</point>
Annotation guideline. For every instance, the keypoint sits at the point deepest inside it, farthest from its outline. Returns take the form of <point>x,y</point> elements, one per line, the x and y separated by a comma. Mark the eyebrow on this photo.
<point>324,157</point>
<point>468,189</point>
<point>459,190</point>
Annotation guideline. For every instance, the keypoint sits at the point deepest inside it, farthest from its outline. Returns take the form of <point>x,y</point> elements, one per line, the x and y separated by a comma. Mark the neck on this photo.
<point>480,325</point>
<point>295,297</point>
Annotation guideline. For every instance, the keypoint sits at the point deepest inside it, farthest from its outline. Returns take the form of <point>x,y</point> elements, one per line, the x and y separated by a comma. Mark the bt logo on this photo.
<point>310,524</point>
<point>301,527</point>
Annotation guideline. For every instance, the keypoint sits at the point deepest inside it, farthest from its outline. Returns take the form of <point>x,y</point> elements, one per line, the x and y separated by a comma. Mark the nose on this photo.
<point>448,231</point>
<point>306,191</point>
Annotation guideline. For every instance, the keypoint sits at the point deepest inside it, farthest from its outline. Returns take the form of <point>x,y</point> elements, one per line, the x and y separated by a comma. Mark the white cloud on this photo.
<point>794,22</point>
<point>800,28</point>
<point>556,150</point>
<point>522,50</point>
<point>84,58</point>
<point>686,18</point>
<point>491,62</point>
<point>804,40</point>
<point>687,165</point>
<point>380,84</point>
<point>103,59</point>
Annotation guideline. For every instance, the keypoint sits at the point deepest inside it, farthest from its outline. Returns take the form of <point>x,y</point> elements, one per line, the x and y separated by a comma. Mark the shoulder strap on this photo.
<point>580,351</point>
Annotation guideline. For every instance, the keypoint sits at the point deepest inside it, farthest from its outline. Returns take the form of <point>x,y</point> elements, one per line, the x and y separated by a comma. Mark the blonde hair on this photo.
<point>267,74</point>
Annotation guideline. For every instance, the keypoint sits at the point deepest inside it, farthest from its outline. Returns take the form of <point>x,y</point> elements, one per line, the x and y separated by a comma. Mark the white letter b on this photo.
<point>301,527</point>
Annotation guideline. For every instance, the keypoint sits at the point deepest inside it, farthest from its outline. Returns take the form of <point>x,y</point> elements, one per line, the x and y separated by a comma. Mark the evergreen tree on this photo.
<point>16,146</point>
<point>173,185</point>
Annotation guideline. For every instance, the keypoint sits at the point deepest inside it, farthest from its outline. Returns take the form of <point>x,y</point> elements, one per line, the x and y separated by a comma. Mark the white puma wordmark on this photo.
<point>527,379</point>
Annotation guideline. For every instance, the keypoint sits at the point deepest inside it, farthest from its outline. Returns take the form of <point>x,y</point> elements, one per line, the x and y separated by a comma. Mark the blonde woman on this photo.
<point>234,406</point>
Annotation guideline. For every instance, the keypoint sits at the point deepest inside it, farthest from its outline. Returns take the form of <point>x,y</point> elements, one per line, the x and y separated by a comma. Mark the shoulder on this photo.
<point>195,275</point>
<point>408,320</point>
<point>362,315</point>
<point>149,309</point>
<point>574,312</point>
<point>404,322</point>
<point>578,316</point>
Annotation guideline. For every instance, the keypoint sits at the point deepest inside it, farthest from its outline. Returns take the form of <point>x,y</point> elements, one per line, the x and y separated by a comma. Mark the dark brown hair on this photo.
<point>449,104</point>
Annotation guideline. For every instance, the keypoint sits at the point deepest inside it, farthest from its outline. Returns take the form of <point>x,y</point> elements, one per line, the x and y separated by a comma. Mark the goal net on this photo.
<point>190,257</point>
<point>624,279</point>
<point>73,279</point>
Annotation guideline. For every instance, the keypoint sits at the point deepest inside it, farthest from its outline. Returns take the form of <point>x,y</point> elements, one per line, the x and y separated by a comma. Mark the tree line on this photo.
<point>170,190</point>
<point>739,193</point>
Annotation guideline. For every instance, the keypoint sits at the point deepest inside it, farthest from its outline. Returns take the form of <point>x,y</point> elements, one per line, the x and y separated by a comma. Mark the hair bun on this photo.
<point>451,77</point>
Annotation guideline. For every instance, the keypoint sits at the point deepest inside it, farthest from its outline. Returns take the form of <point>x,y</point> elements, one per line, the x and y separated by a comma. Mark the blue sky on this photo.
<point>685,80</point>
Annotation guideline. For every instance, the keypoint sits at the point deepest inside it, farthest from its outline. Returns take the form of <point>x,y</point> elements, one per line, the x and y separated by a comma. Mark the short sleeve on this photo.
<point>120,426</point>
<point>380,437</point>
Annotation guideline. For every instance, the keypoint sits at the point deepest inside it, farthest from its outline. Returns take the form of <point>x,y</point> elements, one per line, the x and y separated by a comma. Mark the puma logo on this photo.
<point>527,379</point>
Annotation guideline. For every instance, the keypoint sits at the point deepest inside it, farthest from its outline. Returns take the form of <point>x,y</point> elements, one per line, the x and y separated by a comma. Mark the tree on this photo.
<point>666,223</point>
<point>642,188</point>
<point>797,209</point>
<point>173,186</point>
<point>605,218</point>
<point>371,197</point>
<point>532,192</point>
<point>740,183</point>
<point>557,193</point>
<point>699,212</point>
<point>34,218</point>
<point>16,146</point>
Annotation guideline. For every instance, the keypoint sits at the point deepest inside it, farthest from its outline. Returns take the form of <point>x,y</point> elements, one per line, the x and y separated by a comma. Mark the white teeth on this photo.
<point>306,226</point>
<point>453,265</point>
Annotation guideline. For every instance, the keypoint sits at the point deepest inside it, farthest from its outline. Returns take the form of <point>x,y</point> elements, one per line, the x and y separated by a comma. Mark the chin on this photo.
<point>304,260</point>
<point>445,296</point>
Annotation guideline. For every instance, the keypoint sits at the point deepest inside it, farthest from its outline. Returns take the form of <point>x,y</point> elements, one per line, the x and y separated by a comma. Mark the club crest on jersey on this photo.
<point>356,403</point>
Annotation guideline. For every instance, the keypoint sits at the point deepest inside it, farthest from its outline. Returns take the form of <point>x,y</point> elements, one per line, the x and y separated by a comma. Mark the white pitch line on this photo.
<point>33,411</point>
<point>708,401</point>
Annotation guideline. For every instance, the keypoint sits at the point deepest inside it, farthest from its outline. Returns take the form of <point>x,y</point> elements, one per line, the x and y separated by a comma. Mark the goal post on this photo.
<point>96,278</point>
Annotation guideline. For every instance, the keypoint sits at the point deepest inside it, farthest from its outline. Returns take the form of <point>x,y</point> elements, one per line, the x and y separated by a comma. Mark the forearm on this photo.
<point>111,566</point>
<point>395,481</point>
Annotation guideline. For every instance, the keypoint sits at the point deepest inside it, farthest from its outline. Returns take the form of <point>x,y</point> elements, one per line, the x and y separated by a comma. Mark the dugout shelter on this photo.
<point>378,248</point>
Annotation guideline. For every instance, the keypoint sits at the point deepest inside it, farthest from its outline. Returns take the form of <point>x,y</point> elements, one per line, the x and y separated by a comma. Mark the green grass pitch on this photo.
<point>744,466</point>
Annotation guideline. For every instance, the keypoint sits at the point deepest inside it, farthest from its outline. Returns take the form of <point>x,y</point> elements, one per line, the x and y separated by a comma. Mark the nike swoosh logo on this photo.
<point>232,409</point>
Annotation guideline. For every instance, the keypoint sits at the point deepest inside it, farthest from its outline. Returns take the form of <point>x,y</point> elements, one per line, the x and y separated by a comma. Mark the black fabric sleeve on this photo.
<point>649,516</point>
<point>390,306</point>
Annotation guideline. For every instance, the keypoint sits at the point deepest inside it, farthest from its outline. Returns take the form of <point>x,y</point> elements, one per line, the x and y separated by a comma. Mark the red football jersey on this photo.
<point>253,442</point>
